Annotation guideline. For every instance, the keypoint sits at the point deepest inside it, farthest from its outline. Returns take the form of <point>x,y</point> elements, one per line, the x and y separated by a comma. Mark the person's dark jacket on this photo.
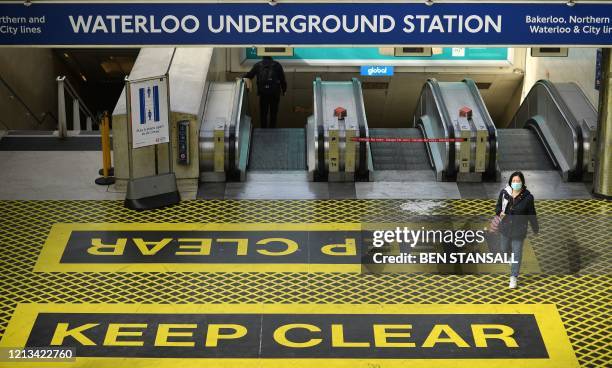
<point>519,211</point>
<point>278,71</point>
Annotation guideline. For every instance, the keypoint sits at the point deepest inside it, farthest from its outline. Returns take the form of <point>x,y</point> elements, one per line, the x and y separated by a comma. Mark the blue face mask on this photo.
<point>516,186</point>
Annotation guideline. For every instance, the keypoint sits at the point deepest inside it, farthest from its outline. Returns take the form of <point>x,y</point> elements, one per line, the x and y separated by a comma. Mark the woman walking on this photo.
<point>516,207</point>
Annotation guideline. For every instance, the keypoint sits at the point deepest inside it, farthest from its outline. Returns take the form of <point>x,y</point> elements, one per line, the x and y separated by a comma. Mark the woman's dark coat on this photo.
<point>519,211</point>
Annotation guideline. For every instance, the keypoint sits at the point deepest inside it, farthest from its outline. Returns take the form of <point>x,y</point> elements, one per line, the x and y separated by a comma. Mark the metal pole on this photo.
<point>128,121</point>
<point>106,178</point>
<point>106,155</point>
<point>602,181</point>
<point>61,108</point>
<point>170,160</point>
<point>76,115</point>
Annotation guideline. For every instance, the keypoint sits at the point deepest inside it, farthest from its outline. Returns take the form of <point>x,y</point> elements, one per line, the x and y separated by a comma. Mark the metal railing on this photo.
<point>27,111</point>
<point>433,122</point>
<point>64,88</point>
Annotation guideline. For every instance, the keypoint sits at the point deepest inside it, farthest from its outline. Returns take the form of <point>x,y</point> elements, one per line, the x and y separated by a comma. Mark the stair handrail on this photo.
<point>64,86</point>
<point>15,96</point>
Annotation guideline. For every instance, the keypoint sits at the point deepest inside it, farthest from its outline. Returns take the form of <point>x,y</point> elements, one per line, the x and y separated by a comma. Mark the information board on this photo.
<point>149,112</point>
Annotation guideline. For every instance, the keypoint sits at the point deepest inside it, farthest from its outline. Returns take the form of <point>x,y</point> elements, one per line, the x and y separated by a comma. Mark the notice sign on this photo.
<point>149,112</point>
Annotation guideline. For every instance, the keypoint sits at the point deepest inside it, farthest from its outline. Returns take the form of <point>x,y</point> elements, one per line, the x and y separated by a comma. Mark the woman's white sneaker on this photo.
<point>512,282</point>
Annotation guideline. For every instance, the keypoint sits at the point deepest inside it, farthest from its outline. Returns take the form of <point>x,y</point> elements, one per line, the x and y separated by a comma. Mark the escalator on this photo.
<point>279,149</point>
<point>553,129</point>
<point>398,156</point>
<point>225,133</point>
<point>520,149</point>
<point>338,121</point>
<point>229,147</point>
<point>339,145</point>
<point>454,111</point>
<point>334,145</point>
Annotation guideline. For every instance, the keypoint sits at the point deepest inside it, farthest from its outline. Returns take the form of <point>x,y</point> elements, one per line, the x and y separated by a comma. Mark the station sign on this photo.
<point>248,24</point>
<point>377,71</point>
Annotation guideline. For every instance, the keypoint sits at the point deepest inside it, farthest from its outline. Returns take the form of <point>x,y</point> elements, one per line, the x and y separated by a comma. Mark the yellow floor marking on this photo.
<point>549,323</point>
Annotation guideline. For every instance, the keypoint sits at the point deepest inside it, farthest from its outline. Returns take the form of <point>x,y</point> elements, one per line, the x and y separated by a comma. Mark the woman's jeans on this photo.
<point>515,246</point>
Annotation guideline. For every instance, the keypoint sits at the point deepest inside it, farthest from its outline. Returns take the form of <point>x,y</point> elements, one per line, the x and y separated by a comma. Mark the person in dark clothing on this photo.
<point>515,206</point>
<point>270,83</point>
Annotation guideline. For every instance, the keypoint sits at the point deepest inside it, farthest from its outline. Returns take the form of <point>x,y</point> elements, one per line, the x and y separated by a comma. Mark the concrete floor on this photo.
<point>52,175</point>
<point>71,175</point>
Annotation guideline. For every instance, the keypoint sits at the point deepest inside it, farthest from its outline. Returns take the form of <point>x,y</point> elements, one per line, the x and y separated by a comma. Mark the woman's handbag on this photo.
<point>494,224</point>
<point>496,221</point>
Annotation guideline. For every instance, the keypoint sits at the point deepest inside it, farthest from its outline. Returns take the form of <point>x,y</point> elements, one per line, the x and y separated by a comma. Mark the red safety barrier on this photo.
<point>407,140</point>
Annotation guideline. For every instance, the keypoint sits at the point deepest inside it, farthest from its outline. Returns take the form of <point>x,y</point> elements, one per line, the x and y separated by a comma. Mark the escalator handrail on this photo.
<point>232,167</point>
<point>584,96</point>
<point>567,114</point>
<point>449,130</point>
<point>492,167</point>
<point>531,125</point>
<point>583,128</point>
<point>319,129</point>
<point>362,170</point>
<point>418,122</point>
<point>427,147</point>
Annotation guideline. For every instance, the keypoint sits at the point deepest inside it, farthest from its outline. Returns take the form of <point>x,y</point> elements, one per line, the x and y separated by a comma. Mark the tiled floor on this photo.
<point>71,175</point>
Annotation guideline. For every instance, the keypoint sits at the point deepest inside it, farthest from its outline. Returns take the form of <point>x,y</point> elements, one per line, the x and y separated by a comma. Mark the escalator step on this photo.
<point>399,156</point>
<point>520,149</point>
<point>278,149</point>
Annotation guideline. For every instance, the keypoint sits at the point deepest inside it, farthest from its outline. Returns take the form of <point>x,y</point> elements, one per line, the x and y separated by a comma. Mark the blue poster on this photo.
<point>598,71</point>
<point>373,24</point>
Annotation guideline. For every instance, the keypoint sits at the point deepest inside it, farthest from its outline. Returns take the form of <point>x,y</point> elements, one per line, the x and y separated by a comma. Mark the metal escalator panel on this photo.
<point>278,149</point>
<point>224,133</point>
<point>520,149</point>
<point>338,118</point>
<point>584,115</point>
<point>455,110</point>
<point>490,156</point>
<point>431,117</point>
<point>564,122</point>
<point>469,118</point>
<point>399,156</point>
